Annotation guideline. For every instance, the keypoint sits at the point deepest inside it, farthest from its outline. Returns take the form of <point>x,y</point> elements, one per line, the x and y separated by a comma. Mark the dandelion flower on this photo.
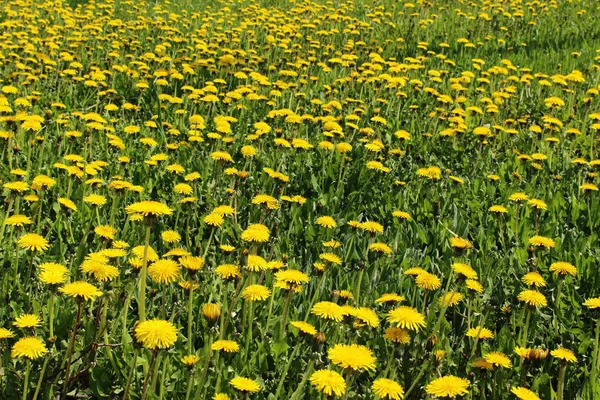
<point>190,360</point>
<point>156,334</point>
<point>524,393</point>
<point>464,270</point>
<point>81,290</point>
<point>148,209</point>
<point>228,271</point>
<point>328,382</point>
<point>256,293</point>
<point>397,335</point>
<point>563,268</point>
<point>30,347</point>
<point>448,386</point>
<point>18,220</point>
<point>33,242</point>
<point>170,236</point>
<point>451,299</point>
<point>592,303</point>
<point>304,327</point>
<point>387,388</point>
<point>27,321</point>
<point>480,332</point>
<point>256,263</point>
<point>326,222</point>
<point>244,384</point>
<point>228,346</point>
<point>498,359</point>
<point>407,318</point>
<point>564,354</point>
<point>352,356</point>
<point>211,311</point>
<point>328,310</point>
<point>389,298</point>
<point>164,271</point>
<point>534,279</point>
<point>105,231</point>
<point>256,233</point>
<point>214,220</point>
<point>192,263</point>
<point>532,298</point>
<point>428,281</point>
<point>541,241</point>
<point>460,243</point>
<point>6,334</point>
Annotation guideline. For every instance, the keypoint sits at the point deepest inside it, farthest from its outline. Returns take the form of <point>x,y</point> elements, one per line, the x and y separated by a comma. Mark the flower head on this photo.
<point>448,386</point>
<point>532,298</point>
<point>387,388</point>
<point>498,359</point>
<point>524,393</point>
<point>30,347</point>
<point>164,271</point>
<point>352,356</point>
<point>244,384</point>
<point>563,268</point>
<point>407,318</point>
<point>564,354</point>
<point>328,310</point>
<point>256,293</point>
<point>81,290</point>
<point>328,382</point>
<point>27,321</point>
<point>33,242</point>
<point>156,334</point>
<point>148,208</point>
<point>228,346</point>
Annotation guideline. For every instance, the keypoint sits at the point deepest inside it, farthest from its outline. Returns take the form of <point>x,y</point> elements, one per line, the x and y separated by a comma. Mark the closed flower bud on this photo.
<point>211,311</point>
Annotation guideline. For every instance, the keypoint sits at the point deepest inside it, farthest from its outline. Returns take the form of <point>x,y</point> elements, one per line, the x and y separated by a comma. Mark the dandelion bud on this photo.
<point>320,337</point>
<point>211,311</point>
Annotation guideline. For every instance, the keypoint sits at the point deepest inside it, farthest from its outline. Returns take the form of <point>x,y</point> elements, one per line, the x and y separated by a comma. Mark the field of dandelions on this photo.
<point>250,199</point>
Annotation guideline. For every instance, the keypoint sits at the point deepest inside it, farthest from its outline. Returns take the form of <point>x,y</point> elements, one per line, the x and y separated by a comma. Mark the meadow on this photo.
<point>371,199</point>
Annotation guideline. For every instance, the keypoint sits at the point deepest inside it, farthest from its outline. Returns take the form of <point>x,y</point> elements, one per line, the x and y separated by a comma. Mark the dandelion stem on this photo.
<point>317,291</point>
<point>148,373</point>
<point>142,288</point>
<point>561,380</point>
<point>526,327</point>
<point>358,283</point>
<point>189,327</point>
<point>71,347</point>
<point>51,314</point>
<point>41,378</point>
<point>130,376</point>
<point>26,380</point>
<point>285,314</point>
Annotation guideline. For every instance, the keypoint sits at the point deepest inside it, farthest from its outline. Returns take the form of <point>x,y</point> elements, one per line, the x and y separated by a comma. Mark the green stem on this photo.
<point>285,371</point>
<point>51,314</point>
<point>188,389</point>
<point>358,283</point>
<point>131,371</point>
<point>285,314</point>
<point>71,347</point>
<point>595,356</point>
<point>26,380</point>
<point>148,373</point>
<point>526,328</point>
<point>314,298</point>
<point>561,380</point>
<point>249,331</point>
<point>557,306</point>
<point>189,327</point>
<point>41,378</point>
<point>142,288</point>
